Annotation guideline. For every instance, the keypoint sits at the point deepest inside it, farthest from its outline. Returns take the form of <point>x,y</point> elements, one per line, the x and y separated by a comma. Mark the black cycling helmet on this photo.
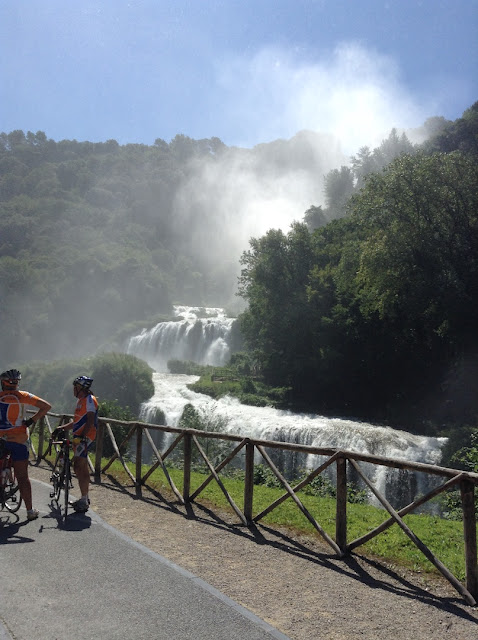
<point>10,378</point>
<point>83,381</point>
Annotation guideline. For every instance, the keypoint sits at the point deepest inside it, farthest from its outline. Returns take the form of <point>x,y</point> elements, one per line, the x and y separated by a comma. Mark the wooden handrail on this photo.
<point>466,480</point>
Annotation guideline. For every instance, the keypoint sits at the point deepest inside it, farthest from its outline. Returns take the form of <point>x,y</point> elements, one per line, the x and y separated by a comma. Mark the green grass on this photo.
<point>443,537</point>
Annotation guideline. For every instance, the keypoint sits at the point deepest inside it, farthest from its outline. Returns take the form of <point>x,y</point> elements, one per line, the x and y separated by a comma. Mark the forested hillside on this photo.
<point>375,314</point>
<point>96,235</point>
<point>367,307</point>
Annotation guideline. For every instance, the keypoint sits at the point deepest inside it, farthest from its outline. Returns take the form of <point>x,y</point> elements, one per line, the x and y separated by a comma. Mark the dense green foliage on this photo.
<point>112,409</point>
<point>238,380</point>
<point>466,458</point>
<point>120,382</point>
<point>375,313</point>
<point>367,308</point>
<point>96,236</point>
<point>123,378</point>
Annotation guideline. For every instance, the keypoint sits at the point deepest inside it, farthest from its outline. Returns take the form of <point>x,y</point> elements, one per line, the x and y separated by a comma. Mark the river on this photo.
<point>202,336</point>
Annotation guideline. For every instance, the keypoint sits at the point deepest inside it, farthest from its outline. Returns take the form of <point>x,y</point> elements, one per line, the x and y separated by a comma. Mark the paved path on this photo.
<point>87,580</point>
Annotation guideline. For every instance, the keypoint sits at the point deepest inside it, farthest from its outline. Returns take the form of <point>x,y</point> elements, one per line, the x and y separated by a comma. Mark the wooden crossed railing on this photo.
<point>189,438</point>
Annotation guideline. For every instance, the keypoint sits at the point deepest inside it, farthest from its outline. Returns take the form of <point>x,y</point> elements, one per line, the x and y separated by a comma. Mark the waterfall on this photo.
<point>204,340</point>
<point>171,395</point>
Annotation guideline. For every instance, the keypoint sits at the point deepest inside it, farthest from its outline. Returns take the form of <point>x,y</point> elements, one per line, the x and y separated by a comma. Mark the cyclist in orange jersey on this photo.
<point>84,426</point>
<point>14,430</point>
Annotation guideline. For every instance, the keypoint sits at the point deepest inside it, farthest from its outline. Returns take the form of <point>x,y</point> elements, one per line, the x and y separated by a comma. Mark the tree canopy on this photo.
<point>367,307</point>
<point>375,313</point>
<point>94,236</point>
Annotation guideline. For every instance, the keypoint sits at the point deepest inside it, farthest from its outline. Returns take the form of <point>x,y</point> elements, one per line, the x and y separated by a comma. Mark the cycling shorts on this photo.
<point>17,451</point>
<point>81,446</point>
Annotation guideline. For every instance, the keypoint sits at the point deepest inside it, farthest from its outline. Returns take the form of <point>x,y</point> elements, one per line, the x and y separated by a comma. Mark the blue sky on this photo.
<point>245,71</point>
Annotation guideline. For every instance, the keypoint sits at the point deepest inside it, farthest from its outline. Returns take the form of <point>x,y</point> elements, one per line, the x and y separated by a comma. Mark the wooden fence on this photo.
<point>189,439</point>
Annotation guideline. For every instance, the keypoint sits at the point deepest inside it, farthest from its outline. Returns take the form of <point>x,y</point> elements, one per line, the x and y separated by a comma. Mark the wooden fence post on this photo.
<point>249,481</point>
<point>139,457</point>
<point>100,434</point>
<point>187,466</point>
<point>469,533</point>
<point>341,505</point>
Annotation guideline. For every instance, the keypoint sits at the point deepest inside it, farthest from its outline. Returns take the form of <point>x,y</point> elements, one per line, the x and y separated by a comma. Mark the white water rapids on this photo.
<point>171,395</point>
<point>204,340</point>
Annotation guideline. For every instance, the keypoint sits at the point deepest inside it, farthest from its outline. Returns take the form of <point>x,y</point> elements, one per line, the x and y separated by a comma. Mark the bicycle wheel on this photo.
<point>56,480</point>
<point>66,485</point>
<point>11,497</point>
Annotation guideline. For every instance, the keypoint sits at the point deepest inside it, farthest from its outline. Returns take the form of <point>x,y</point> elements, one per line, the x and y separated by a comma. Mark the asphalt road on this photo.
<point>86,579</point>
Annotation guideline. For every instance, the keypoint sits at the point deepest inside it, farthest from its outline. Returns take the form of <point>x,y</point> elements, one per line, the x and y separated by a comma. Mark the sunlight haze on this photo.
<point>247,72</point>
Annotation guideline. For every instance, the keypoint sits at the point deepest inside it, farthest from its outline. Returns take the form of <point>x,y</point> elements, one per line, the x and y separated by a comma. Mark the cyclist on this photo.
<point>84,426</point>
<point>14,430</point>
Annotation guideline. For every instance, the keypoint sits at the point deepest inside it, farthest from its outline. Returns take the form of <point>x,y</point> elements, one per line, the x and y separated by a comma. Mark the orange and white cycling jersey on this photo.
<point>86,405</point>
<point>12,414</point>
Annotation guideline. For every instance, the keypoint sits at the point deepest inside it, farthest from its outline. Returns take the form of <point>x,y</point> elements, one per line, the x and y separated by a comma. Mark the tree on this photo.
<point>371,314</point>
<point>315,218</point>
<point>417,279</point>
<point>460,135</point>
<point>338,187</point>
<point>123,379</point>
<point>367,162</point>
<point>419,263</point>
<point>273,281</point>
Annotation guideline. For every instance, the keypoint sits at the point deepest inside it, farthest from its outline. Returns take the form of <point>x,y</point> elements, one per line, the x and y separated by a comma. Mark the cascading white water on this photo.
<point>204,340</point>
<point>172,394</point>
<point>158,345</point>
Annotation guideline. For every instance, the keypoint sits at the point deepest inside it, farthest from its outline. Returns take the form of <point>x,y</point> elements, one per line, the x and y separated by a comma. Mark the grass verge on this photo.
<point>443,537</point>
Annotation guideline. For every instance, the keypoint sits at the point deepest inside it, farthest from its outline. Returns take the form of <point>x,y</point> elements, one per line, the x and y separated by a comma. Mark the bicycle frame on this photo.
<point>10,498</point>
<point>60,478</point>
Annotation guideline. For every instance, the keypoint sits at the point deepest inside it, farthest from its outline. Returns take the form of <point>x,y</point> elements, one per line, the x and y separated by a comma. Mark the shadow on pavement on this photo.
<point>10,529</point>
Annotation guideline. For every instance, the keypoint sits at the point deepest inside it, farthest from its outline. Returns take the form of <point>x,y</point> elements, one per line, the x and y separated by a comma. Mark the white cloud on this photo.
<point>353,93</point>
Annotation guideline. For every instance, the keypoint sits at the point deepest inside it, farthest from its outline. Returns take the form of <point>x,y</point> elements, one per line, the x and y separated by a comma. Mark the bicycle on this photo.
<point>61,478</point>
<point>10,498</point>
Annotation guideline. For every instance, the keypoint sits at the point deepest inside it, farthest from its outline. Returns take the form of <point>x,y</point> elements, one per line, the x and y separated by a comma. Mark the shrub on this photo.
<point>111,409</point>
<point>122,378</point>
<point>320,486</point>
<point>253,400</point>
<point>118,377</point>
<point>265,476</point>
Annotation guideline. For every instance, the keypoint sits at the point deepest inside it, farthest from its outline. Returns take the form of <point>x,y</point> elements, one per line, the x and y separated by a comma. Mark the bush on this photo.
<point>117,377</point>
<point>248,386</point>
<point>53,381</point>
<point>111,409</point>
<point>215,450</point>
<point>320,486</point>
<point>265,476</point>
<point>122,378</point>
<point>253,400</point>
<point>465,458</point>
<point>188,368</point>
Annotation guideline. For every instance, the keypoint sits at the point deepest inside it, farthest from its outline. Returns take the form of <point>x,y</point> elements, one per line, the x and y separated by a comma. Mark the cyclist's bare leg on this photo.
<point>80,467</point>
<point>24,484</point>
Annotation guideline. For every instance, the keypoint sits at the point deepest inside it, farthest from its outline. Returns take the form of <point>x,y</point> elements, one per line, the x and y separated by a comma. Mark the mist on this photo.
<point>328,107</point>
<point>353,93</point>
<point>244,193</point>
<point>195,222</point>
